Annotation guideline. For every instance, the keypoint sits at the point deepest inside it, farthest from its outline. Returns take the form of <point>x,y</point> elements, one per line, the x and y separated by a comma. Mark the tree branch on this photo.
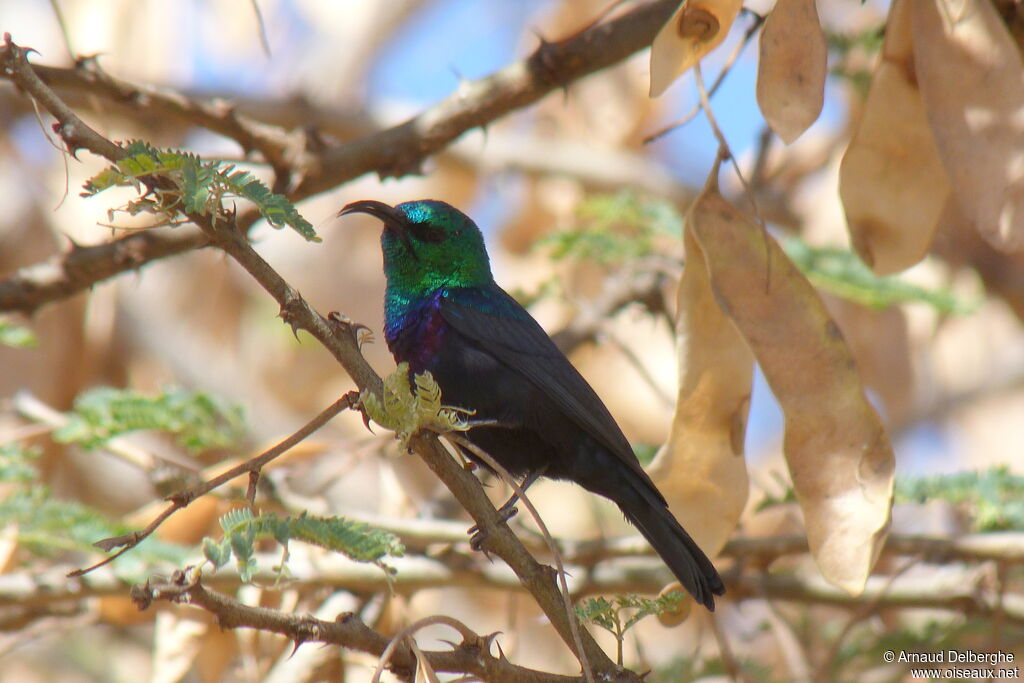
<point>79,268</point>
<point>31,591</point>
<point>471,656</point>
<point>216,115</point>
<point>401,150</point>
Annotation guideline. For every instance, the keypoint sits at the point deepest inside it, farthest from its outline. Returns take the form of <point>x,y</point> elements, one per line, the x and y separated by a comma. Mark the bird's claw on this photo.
<point>477,536</point>
<point>342,324</point>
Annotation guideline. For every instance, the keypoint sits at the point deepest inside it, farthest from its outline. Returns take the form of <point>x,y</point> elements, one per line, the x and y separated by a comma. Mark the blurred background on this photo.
<point>947,377</point>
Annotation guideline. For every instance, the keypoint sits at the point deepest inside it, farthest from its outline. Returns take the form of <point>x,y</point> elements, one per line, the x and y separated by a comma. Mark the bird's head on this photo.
<point>428,244</point>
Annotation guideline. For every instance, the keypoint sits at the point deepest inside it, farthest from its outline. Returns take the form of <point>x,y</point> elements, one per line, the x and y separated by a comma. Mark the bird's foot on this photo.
<point>477,536</point>
<point>341,324</point>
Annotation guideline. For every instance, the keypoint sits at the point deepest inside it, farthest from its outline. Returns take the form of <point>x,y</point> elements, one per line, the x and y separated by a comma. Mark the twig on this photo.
<point>183,498</point>
<point>277,146</point>
<point>618,292</point>
<point>55,5</point>
<point>729,661</point>
<point>792,646</point>
<point>574,623</point>
<point>31,589</point>
<point>725,153</point>
<point>75,133</point>
<point>633,359</point>
<point>262,28</point>
<point>385,657</point>
<point>870,607</point>
<point>80,268</point>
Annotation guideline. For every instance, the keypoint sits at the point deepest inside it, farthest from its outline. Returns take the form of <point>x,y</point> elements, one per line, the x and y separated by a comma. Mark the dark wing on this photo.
<point>499,325</point>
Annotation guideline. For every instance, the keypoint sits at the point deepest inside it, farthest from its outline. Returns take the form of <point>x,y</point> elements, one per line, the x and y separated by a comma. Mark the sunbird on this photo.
<point>443,312</point>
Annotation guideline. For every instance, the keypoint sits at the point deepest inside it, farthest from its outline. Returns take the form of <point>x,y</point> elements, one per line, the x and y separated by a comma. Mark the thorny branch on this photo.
<point>471,655</point>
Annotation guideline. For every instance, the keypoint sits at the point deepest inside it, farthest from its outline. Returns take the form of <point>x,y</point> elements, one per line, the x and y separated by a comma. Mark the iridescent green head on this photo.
<point>428,245</point>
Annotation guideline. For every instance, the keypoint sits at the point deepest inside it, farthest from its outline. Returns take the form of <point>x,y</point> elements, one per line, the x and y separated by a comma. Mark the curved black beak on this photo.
<point>392,218</point>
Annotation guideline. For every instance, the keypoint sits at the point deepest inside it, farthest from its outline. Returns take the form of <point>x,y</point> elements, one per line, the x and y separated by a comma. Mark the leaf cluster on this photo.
<point>16,463</point>
<point>994,497</point>
<point>615,228</point>
<point>200,187</point>
<point>198,420</point>
<point>47,526</point>
<point>242,529</point>
<point>404,410</point>
<point>841,272</point>
<point>622,612</point>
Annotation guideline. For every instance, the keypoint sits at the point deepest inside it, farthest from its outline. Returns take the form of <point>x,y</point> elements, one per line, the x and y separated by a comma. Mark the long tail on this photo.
<point>670,540</point>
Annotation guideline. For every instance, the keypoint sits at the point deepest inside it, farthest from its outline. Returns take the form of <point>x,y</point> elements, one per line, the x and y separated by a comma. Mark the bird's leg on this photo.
<point>507,511</point>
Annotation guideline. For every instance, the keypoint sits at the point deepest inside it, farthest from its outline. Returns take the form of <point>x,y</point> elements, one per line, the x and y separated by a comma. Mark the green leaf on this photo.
<point>615,228</point>
<point>993,498</point>
<point>624,611</point>
<point>405,411</point>
<point>841,272</point>
<point>597,611</point>
<point>645,607</point>
<point>198,420</point>
<point>48,526</point>
<point>217,553</point>
<point>202,187</point>
<point>358,541</point>
<point>247,569</point>
<point>16,463</point>
<point>242,529</point>
<point>17,336</point>
<point>236,519</point>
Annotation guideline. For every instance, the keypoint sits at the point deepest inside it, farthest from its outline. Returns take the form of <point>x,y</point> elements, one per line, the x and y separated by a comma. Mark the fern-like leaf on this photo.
<point>16,463</point>
<point>198,420</point>
<point>201,187</point>
<point>405,411</point>
<point>47,526</point>
<point>242,529</point>
<point>841,272</point>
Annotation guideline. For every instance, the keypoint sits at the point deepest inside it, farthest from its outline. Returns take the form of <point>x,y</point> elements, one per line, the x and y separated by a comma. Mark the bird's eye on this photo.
<point>425,232</point>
